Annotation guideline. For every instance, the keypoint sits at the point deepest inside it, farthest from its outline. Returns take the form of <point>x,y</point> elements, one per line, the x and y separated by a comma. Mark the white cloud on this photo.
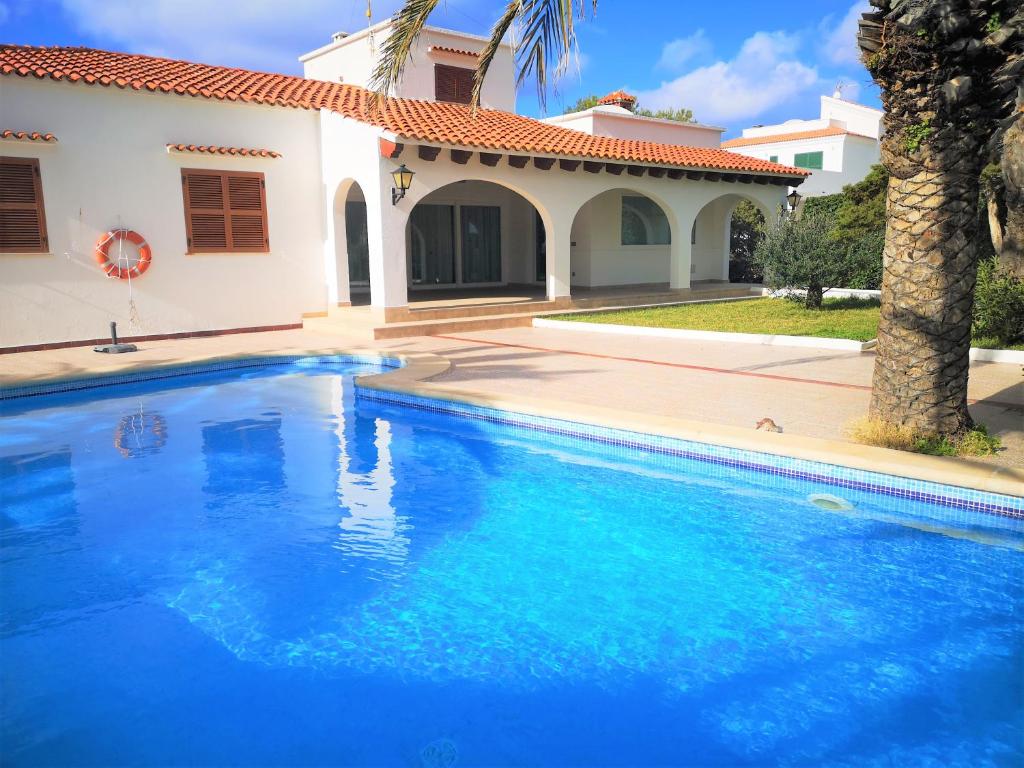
<point>681,50</point>
<point>261,34</point>
<point>764,74</point>
<point>839,41</point>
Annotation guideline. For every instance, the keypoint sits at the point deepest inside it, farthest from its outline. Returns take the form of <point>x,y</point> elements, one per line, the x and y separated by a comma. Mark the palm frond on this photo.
<point>498,32</point>
<point>406,25</point>
<point>548,34</point>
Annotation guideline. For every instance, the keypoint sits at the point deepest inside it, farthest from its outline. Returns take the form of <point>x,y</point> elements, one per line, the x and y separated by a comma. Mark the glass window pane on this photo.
<point>355,238</point>
<point>773,158</point>
<point>481,244</point>
<point>433,244</point>
<point>643,222</point>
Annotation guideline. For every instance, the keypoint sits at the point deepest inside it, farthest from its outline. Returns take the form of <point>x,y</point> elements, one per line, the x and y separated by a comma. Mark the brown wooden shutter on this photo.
<point>22,217</point>
<point>453,84</point>
<point>225,211</point>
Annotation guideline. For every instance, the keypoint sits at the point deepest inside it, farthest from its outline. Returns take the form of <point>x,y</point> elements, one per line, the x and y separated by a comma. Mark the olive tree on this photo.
<point>804,254</point>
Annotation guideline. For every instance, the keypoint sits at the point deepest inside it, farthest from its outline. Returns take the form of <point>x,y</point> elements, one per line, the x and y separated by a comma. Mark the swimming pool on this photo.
<point>259,568</point>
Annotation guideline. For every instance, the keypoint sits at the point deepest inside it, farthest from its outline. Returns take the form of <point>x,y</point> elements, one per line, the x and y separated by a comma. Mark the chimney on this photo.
<point>619,99</point>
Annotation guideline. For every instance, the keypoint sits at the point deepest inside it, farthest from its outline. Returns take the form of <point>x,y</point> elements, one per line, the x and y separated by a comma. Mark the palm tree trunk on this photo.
<point>930,266</point>
<point>947,73</point>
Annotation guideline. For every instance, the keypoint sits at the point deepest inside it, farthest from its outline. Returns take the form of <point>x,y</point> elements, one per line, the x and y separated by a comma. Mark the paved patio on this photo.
<point>814,393</point>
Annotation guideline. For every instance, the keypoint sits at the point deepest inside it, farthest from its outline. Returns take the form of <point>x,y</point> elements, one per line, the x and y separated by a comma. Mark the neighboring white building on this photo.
<point>265,198</point>
<point>613,116</point>
<point>839,147</point>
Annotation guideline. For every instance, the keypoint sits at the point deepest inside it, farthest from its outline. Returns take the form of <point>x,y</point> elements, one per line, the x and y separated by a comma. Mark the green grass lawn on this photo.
<point>837,319</point>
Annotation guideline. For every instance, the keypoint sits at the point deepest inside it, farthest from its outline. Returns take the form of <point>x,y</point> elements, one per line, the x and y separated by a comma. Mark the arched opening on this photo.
<point>352,246</point>
<point>722,240</point>
<point>475,238</point>
<point>621,238</point>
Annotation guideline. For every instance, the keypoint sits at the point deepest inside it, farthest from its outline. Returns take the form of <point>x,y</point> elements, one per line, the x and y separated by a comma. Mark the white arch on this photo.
<point>337,269</point>
<point>423,193</point>
<point>712,227</point>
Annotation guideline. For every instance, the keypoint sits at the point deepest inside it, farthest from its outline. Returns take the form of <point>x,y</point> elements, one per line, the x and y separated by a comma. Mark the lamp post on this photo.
<point>403,180</point>
<point>794,198</point>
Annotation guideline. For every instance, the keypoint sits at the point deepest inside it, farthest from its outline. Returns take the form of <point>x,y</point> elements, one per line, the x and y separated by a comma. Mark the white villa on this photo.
<point>839,147</point>
<point>267,200</point>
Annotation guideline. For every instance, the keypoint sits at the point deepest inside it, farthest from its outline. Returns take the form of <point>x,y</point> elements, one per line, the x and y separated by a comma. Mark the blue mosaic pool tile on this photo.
<point>154,374</point>
<point>952,497</point>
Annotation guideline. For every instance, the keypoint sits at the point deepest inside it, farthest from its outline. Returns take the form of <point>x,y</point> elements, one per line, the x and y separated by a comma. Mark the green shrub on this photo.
<point>972,442</point>
<point>803,253</point>
<point>998,304</point>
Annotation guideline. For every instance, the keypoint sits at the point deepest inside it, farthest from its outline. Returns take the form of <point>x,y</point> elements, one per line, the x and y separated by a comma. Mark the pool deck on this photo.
<point>697,390</point>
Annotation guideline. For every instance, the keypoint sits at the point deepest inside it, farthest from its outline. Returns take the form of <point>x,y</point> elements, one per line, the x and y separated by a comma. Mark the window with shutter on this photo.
<point>225,211</point>
<point>453,84</point>
<point>22,218</point>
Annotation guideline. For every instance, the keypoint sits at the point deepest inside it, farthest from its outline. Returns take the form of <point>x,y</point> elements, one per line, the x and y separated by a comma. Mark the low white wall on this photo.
<point>110,168</point>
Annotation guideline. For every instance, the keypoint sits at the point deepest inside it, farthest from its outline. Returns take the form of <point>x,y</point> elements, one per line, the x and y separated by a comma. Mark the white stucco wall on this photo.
<point>598,256</point>
<point>857,118</point>
<point>846,160</point>
<point>110,168</point>
<point>619,123</point>
<point>352,59</point>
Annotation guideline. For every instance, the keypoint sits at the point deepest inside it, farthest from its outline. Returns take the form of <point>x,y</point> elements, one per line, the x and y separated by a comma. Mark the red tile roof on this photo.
<point>795,136</point>
<point>616,97</point>
<point>425,121</point>
<point>211,149</point>
<point>27,136</point>
<point>456,51</point>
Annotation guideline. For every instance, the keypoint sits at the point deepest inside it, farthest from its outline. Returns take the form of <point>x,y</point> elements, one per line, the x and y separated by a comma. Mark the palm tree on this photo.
<point>546,34</point>
<point>949,71</point>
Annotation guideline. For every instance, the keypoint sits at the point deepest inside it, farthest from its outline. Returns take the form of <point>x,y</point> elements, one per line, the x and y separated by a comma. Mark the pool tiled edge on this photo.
<point>837,475</point>
<point>208,366</point>
<point>908,476</point>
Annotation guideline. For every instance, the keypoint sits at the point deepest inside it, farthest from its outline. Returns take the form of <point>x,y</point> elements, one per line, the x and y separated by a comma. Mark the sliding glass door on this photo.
<point>481,243</point>
<point>355,240</point>
<point>433,245</point>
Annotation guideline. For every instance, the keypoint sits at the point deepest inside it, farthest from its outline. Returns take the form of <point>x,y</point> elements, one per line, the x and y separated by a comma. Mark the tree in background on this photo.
<point>948,71</point>
<point>803,254</point>
<point>858,215</point>
<point>681,115</point>
<point>745,232</point>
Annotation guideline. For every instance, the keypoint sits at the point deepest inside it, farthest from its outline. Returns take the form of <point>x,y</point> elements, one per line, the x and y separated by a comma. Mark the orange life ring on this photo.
<point>113,270</point>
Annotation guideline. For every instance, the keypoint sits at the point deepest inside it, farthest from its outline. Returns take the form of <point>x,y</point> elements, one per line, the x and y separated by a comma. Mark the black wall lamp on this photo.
<point>403,180</point>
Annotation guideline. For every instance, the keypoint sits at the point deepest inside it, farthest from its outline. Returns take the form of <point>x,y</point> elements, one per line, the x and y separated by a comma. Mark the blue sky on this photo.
<point>735,63</point>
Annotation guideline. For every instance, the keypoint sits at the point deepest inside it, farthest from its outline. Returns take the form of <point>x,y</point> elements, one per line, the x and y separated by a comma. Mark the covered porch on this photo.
<point>482,232</point>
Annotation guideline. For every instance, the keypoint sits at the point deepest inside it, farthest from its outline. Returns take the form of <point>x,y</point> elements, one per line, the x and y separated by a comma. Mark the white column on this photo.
<point>336,254</point>
<point>679,262</point>
<point>385,224</point>
<point>559,265</point>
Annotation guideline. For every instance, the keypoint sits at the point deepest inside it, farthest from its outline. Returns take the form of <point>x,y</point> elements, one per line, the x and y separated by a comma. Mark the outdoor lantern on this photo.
<point>794,200</point>
<point>403,180</point>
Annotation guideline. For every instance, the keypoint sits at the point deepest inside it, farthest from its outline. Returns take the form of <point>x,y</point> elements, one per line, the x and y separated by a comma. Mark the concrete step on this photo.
<point>354,328</point>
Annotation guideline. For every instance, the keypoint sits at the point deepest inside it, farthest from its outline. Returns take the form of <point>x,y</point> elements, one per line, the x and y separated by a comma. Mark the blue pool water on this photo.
<point>255,568</point>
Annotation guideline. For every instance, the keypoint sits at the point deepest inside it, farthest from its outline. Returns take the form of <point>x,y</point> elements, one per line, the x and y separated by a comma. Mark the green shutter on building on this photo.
<point>809,160</point>
<point>773,159</point>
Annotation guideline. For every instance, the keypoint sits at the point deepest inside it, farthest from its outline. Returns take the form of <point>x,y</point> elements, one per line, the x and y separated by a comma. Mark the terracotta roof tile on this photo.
<point>456,51</point>
<point>616,97</point>
<point>430,121</point>
<point>27,136</point>
<point>211,149</point>
<point>775,138</point>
